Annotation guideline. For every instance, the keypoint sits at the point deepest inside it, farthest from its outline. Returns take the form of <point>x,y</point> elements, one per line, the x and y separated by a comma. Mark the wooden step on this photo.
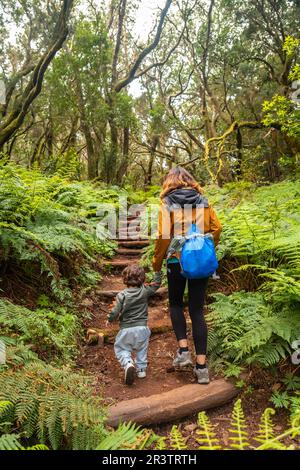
<point>107,295</point>
<point>172,405</point>
<point>119,263</point>
<point>130,220</point>
<point>133,243</point>
<point>132,232</point>
<point>129,252</point>
<point>157,328</point>
<point>130,223</point>
<point>132,236</point>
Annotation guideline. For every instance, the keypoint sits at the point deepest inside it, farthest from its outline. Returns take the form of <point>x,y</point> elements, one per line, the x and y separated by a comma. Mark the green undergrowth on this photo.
<point>49,248</point>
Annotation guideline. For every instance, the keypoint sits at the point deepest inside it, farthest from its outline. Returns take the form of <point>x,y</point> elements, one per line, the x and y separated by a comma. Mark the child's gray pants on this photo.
<point>133,339</point>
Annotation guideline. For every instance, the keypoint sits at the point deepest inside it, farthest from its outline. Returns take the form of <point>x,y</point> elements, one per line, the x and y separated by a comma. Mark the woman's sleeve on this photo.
<point>163,239</point>
<point>215,226</point>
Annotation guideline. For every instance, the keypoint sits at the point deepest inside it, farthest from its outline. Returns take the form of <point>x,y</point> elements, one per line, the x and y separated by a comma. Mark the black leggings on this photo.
<point>197,288</point>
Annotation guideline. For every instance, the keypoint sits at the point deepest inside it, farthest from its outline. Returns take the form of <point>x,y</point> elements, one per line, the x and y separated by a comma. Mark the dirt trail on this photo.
<point>100,361</point>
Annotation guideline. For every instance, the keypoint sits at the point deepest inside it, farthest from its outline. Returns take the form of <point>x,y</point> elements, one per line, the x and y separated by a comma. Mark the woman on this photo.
<point>182,203</point>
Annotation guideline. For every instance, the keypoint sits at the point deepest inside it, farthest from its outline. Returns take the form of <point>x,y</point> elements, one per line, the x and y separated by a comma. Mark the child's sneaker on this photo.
<point>141,374</point>
<point>129,374</point>
<point>182,360</point>
<point>202,375</point>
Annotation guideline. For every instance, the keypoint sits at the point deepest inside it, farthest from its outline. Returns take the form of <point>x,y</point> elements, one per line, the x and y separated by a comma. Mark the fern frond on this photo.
<point>38,447</point>
<point>177,441</point>
<point>10,442</point>
<point>50,331</point>
<point>206,436</point>
<point>161,444</point>
<point>125,436</point>
<point>265,432</point>
<point>53,406</point>
<point>238,431</point>
<point>145,440</point>
<point>5,407</point>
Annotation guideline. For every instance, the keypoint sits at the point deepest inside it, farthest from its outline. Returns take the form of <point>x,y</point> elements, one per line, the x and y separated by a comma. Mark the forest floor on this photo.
<point>100,362</point>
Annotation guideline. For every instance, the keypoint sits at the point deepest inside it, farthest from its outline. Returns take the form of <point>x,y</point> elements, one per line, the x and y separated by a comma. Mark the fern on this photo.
<point>38,229</point>
<point>53,406</point>
<point>10,442</point>
<point>238,439</point>
<point>245,328</point>
<point>238,432</point>
<point>265,433</point>
<point>206,436</point>
<point>48,330</point>
<point>5,406</point>
<point>161,444</point>
<point>291,382</point>
<point>280,399</point>
<point>126,436</point>
<point>295,405</point>
<point>177,440</point>
<point>275,443</point>
<point>17,354</point>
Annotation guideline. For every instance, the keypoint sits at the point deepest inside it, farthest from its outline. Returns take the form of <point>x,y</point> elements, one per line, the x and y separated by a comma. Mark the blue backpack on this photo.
<point>198,256</point>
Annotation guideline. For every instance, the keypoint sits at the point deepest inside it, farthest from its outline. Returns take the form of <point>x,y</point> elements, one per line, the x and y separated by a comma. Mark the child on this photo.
<point>131,308</point>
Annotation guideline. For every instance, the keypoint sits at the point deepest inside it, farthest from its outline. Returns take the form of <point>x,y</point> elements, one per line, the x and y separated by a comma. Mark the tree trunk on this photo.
<point>14,119</point>
<point>92,158</point>
<point>114,150</point>
<point>148,179</point>
<point>124,164</point>
<point>85,127</point>
<point>172,405</point>
<point>37,150</point>
<point>239,146</point>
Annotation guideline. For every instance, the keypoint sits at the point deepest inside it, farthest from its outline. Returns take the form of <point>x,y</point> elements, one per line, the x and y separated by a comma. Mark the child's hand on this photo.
<point>157,279</point>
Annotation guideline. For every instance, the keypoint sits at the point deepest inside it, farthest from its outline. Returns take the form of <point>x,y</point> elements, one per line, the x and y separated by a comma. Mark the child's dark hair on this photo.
<point>133,276</point>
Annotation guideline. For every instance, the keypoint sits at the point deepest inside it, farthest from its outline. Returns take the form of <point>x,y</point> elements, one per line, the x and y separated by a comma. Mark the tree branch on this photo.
<point>16,117</point>
<point>145,52</point>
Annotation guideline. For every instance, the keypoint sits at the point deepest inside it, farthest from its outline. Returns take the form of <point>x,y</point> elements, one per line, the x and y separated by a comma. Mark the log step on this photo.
<point>129,252</point>
<point>133,243</point>
<point>129,221</point>
<point>131,238</point>
<point>111,294</point>
<point>119,263</point>
<point>172,405</point>
<point>164,326</point>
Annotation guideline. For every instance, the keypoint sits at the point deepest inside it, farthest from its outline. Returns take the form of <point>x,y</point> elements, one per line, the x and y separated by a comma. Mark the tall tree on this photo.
<point>13,114</point>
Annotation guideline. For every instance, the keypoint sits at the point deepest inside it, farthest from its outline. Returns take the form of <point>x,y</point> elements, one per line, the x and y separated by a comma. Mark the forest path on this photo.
<point>99,359</point>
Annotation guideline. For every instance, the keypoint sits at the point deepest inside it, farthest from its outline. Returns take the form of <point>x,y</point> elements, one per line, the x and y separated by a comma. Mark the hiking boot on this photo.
<point>182,360</point>
<point>202,375</point>
<point>129,374</point>
<point>141,374</point>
